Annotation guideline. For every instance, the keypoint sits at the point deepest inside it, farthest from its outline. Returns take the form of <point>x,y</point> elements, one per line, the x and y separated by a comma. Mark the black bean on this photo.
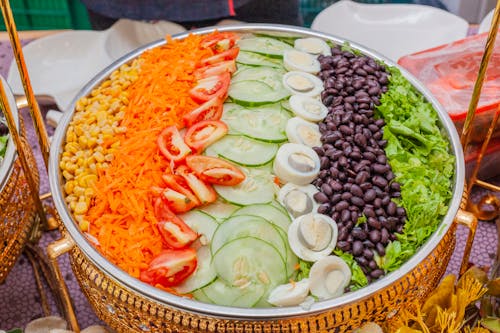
<point>343,233</point>
<point>344,246</point>
<point>335,198</point>
<point>396,194</point>
<point>379,181</point>
<point>374,91</point>
<point>374,236</point>
<point>324,162</point>
<point>343,161</point>
<point>367,243</point>
<point>372,264</point>
<point>369,156</point>
<point>356,190</point>
<point>346,196</point>
<point>395,186</point>
<point>335,216</point>
<point>377,202</point>
<point>324,208</point>
<point>366,186</point>
<point>368,254</point>
<point>400,211</point>
<point>368,211</point>
<point>357,248</point>
<point>380,249</point>
<point>361,177</point>
<point>345,215</point>
<point>391,208</point>
<point>386,200</point>
<point>327,190</point>
<point>384,236</point>
<point>374,223</point>
<point>357,201</point>
<point>376,273</point>
<point>320,197</point>
<point>358,233</point>
<point>319,151</point>
<point>356,156</point>
<point>362,262</point>
<point>380,168</point>
<point>341,206</point>
<point>360,139</point>
<point>354,215</point>
<point>369,195</point>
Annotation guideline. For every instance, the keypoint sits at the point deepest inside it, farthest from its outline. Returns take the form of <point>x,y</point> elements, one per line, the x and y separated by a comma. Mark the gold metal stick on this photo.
<point>39,285</point>
<point>14,134</point>
<point>482,151</point>
<point>490,45</point>
<point>36,115</point>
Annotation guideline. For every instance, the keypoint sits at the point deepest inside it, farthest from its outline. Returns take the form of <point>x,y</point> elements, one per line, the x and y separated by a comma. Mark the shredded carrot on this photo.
<point>122,215</point>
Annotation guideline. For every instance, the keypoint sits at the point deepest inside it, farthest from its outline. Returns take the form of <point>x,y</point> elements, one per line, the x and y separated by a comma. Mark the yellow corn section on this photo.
<point>97,118</point>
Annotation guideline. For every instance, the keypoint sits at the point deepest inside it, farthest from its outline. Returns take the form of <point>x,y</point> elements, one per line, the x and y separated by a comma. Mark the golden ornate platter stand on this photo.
<point>127,305</point>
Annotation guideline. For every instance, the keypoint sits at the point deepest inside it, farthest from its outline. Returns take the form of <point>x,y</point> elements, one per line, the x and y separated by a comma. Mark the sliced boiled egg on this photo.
<point>313,45</point>
<point>295,60</point>
<point>289,294</point>
<point>296,163</point>
<point>301,83</point>
<point>312,236</point>
<point>328,277</point>
<point>308,108</point>
<point>298,200</point>
<point>302,131</point>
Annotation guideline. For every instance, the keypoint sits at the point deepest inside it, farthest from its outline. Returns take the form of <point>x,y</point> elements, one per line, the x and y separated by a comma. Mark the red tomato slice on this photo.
<point>220,41</point>
<point>230,54</point>
<point>214,170</point>
<point>170,267</point>
<point>173,230</point>
<point>204,192</point>
<point>204,133</point>
<point>210,110</point>
<point>171,144</point>
<point>180,187</point>
<point>210,87</point>
<point>228,66</point>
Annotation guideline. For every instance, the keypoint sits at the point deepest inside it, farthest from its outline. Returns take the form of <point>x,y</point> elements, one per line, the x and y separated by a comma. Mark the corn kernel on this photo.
<point>69,186</point>
<point>83,224</point>
<point>80,208</point>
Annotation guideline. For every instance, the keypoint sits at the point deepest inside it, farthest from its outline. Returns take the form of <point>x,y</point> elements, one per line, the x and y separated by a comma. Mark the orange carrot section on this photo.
<point>121,216</point>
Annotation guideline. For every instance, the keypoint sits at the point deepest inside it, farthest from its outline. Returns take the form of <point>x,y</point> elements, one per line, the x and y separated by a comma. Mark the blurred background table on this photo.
<point>19,299</point>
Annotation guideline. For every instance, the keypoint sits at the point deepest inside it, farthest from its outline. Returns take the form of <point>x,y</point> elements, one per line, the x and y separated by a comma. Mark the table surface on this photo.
<point>19,299</point>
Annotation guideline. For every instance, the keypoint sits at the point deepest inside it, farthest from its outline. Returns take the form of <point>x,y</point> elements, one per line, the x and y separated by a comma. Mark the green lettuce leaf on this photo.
<point>358,279</point>
<point>419,155</point>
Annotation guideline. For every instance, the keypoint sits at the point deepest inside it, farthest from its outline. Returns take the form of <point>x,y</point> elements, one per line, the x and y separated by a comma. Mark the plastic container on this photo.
<point>450,72</point>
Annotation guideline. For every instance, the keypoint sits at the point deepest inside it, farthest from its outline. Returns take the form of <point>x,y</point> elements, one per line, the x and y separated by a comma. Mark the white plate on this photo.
<point>59,65</point>
<point>486,22</point>
<point>393,30</point>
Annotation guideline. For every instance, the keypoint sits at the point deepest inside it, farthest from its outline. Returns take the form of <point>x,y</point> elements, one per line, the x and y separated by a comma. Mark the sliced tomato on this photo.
<point>172,228</point>
<point>178,194</point>
<point>170,267</point>
<point>210,87</point>
<point>219,42</point>
<point>210,110</point>
<point>230,54</point>
<point>171,144</point>
<point>205,192</point>
<point>228,66</point>
<point>214,170</point>
<point>204,133</point>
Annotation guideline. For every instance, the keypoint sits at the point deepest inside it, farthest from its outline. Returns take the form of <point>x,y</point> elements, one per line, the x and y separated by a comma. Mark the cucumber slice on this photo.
<point>200,296</point>
<point>276,204</point>
<point>256,59</point>
<point>201,223</point>
<point>273,77</point>
<point>268,212</point>
<point>265,122</point>
<point>219,210</point>
<point>202,276</point>
<point>243,150</point>
<point>254,93</point>
<point>219,292</point>
<point>250,260</point>
<point>264,45</point>
<point>248,225</point>
<point>258,187</point>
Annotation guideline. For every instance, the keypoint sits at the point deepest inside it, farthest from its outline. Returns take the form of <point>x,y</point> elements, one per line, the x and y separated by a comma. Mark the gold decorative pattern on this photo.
<point>17,212</point>
<point>126,311</point>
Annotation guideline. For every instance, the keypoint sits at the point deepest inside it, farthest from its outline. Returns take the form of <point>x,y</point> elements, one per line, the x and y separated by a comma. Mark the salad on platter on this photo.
<point>256,170</point>
<point>4,137</point>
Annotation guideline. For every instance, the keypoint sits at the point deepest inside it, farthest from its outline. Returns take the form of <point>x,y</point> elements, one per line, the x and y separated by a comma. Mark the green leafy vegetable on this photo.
<point>304,268</point>
<point>418,152</point>
<point>3,145</point>
<point>362,219</point>
<point>358,279</point>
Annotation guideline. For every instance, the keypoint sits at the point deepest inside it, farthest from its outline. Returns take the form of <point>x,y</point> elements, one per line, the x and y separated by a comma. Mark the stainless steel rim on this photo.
<point>7,164</point>
<point>241,313</point>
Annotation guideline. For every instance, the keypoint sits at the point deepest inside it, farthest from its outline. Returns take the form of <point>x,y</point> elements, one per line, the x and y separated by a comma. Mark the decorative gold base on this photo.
<point>126,311</point>
<point>17,213</point>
